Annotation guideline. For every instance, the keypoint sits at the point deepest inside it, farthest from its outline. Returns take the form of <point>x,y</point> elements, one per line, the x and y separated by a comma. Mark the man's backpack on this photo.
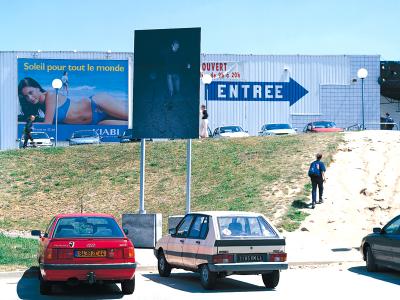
<point>314,170</point>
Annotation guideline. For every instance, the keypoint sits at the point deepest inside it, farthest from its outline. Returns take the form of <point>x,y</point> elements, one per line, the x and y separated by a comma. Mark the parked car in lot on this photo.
<point>276,129</point>
<point>218,244</point>
<point>127,137</point>
<point>84,137</point>
<point>382,247</point>
<point>229,131</point>
<point>322,126</point>
<point>85,248</point>
<point>40,139</point>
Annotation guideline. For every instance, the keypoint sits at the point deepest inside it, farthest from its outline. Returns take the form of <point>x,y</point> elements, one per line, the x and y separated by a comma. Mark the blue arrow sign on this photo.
<point>255,91</point>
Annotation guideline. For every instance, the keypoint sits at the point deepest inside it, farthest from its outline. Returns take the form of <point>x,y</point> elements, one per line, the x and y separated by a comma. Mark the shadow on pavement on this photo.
<point>28,288</point>
<point>190,282</point>
<point>384,275</point>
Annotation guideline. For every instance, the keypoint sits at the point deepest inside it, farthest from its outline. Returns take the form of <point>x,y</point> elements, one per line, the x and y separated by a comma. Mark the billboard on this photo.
<point>166,83</point>
<point>94,95</point>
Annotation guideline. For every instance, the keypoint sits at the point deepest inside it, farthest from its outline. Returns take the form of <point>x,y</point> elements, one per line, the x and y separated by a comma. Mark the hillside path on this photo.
<point>361,192</point>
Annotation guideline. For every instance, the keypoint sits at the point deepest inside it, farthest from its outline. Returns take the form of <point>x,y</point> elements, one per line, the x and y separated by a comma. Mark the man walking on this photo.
<point>28,130</point>
<point>317,174</point>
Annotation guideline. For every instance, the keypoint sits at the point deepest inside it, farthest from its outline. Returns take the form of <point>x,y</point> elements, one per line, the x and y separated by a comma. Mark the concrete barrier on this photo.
<point>144,230</point>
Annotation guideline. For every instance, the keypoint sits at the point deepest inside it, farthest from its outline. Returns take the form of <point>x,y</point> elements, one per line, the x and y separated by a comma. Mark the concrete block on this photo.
<point>174,220</point>
<point>144,230</point>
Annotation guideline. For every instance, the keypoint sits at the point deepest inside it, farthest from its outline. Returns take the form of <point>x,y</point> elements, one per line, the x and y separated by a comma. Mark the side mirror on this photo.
<point>172,231</point>
<point>36,233</point>
<point>52,139</point>
<point>126,231</point>
<point>377,230</point>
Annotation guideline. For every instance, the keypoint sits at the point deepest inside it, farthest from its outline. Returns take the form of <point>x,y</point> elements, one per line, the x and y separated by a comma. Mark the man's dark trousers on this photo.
<point>26,138</point>
<point>317,181</point>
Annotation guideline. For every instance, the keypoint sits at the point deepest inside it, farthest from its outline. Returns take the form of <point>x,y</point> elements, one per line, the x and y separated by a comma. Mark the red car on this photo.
<point>85,248</point>
<point>322,126</point>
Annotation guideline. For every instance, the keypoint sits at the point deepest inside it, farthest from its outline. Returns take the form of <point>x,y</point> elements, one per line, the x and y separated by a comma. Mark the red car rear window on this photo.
<point>87,227</point>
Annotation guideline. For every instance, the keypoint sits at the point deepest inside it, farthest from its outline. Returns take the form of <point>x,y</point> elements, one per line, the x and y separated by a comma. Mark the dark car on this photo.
<point>382,247</point>
<point>127,137</point>
<point>322,126</point>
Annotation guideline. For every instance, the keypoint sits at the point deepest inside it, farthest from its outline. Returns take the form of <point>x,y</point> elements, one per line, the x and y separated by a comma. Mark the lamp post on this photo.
<point>56,84</point>
<point>206,79</point>
<point>362,74</point>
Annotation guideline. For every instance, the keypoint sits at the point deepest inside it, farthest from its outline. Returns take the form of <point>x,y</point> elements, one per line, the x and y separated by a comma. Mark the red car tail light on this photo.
<point>278,257</point>
<point>115,253</point>
<point>65,253</point>
<point>129,252</point>
<point>222,258</point>
<point>49,254</point>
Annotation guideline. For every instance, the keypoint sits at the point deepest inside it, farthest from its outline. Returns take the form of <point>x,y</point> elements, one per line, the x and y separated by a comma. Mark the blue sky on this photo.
<point>228,26</point>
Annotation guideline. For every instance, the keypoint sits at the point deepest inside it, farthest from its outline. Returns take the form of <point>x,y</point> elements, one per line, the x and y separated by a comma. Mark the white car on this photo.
<point>276,129</point>
<point>84,137</point>
<point>229,131</point>
<point>40,139</point>
<point>221,243</point>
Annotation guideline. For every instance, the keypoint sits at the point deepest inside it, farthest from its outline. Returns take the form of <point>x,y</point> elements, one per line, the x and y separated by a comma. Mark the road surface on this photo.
<point>318,282</point>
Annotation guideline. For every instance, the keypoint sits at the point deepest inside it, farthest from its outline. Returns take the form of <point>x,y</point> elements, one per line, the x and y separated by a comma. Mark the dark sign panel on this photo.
<point>166,83</point>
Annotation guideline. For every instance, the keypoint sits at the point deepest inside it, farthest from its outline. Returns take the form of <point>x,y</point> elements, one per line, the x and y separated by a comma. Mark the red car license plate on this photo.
<point>90,253</point>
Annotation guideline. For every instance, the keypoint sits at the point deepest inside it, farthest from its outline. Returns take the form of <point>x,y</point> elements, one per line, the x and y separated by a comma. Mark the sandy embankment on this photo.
<point>361,192</point>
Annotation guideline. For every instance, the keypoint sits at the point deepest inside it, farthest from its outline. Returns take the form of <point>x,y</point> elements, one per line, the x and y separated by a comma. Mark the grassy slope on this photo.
<point>18,252</point>
<point>257,174</point>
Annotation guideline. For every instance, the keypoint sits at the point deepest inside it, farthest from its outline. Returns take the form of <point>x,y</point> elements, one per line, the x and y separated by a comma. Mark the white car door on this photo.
<point>195,239</point>
<point>177,241</point>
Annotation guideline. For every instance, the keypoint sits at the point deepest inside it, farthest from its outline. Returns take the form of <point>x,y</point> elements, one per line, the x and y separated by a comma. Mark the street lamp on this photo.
<point>56,84</point>
<point>206,79</point>
<point>362,74</point>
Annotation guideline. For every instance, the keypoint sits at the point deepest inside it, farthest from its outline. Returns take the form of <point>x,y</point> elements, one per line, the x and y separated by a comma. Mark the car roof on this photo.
<point>277,124</point>
<point>229,126</point>
<point>83,215</point>
<point>226,213</point>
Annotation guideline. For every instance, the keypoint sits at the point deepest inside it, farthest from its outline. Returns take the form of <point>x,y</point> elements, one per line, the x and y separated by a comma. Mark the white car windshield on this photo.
<point>39,135</point>
<point>231,129</point>
<point>85,134</point>
<point>277,126</point>
<point>245,227</point>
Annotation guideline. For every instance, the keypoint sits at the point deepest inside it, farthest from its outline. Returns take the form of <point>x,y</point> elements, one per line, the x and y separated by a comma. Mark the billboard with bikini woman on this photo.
<point>94,95</point>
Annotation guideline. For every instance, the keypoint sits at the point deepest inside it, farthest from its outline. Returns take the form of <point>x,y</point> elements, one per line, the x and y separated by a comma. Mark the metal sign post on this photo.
<point>188,173</point>
<point>142,171</point>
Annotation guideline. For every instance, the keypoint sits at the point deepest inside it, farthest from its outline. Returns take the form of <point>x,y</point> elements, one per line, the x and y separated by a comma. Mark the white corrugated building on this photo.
<point>247,90</point>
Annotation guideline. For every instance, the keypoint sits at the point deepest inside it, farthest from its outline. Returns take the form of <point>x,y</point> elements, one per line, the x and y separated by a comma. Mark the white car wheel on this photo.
<point>271,280</point>
<point>207,278</point>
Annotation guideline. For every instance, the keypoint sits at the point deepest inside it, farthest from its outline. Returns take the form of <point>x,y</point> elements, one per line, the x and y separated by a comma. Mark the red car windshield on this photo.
<point>323,124</point>
<point>87,227</point>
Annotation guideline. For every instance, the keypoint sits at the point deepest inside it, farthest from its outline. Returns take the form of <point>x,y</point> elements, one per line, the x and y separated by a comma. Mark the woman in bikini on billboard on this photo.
<point>102,108</point>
